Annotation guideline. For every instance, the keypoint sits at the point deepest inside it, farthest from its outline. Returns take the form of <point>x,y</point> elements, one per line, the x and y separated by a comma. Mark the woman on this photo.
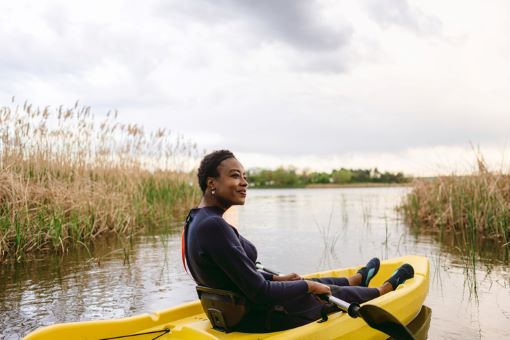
<point>219,257</point>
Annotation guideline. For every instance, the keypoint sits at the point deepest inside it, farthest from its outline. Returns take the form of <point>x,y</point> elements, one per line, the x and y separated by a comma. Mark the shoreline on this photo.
<point>356,185</point>
<point>335,185</point>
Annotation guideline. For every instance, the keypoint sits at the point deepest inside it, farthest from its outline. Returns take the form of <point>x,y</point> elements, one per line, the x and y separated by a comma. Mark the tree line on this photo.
<point>290,177</point>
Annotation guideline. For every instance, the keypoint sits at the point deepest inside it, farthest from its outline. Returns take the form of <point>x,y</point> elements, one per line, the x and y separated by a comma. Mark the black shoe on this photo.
<point>400,275</point>
<point>368,272</point>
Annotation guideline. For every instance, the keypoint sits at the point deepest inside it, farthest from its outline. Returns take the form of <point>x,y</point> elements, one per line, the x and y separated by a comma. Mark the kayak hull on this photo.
<point>188,321</point>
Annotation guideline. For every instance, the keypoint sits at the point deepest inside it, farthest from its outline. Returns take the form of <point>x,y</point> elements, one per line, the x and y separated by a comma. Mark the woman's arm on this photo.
<point>223,247</point>
<point>287,277</point>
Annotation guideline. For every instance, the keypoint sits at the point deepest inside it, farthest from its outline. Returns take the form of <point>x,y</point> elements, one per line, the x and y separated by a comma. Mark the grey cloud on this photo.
<point>293,22</point>
<point>64,43</point>
<point>400,13</point>
<point>68,56</point>
<point>330,62</point>
<point>57,18</point>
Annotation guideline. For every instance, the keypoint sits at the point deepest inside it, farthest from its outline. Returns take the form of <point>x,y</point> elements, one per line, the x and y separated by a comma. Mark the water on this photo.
<point>295,230</point>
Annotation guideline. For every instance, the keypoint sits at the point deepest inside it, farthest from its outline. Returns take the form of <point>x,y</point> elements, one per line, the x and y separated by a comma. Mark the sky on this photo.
<point>416,86</point>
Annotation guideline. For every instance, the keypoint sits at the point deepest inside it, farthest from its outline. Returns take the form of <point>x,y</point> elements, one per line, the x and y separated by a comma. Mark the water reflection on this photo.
<point>419,327</point>
<point>300,230</point>
<point>107,286</point>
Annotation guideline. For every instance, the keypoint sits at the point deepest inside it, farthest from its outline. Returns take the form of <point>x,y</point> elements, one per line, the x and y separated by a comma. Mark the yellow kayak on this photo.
<point>188,321</point>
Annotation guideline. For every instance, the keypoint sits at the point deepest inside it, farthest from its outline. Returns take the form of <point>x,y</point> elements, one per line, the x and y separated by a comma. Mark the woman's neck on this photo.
<point>212,201</point>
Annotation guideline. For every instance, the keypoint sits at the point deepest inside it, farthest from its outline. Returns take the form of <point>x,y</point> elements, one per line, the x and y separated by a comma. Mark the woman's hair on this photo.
<point>209,166</point>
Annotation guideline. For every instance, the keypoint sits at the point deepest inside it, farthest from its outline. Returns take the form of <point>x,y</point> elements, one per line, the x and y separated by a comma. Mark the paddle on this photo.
<point>374,316</point>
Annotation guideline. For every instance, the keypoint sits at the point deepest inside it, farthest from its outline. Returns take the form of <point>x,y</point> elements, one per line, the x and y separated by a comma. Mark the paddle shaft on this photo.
<point>267,270</point>
<point>350,308</point>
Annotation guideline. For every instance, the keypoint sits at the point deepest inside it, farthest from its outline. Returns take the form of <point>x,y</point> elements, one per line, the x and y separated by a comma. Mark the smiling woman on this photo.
<point>223,264</point>
<point>222,179</point>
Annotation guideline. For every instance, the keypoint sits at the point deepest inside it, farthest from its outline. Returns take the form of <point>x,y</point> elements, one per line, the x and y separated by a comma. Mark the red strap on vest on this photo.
<point>183,249</point>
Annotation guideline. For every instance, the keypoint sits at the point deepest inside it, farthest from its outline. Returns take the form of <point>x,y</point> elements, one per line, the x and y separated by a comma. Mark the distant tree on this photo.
<point>285,177</point>
<point>361,176</point>
<point>289,177</point>
<point>319,178</point>
<point>341,176</point>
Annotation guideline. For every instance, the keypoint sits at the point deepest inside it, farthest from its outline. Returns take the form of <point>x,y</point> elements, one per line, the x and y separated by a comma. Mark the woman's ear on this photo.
<point>210,182</point>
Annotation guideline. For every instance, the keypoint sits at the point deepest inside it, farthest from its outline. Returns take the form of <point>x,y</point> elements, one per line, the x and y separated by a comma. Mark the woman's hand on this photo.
<point>288,277</point>
<point>317,288</point>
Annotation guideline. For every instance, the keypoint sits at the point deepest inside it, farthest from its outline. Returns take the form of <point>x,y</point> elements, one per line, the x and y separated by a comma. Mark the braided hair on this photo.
<point>209,166</point>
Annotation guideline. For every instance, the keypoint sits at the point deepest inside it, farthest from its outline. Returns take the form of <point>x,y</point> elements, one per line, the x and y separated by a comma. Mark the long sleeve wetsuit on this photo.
<point>219,257</point>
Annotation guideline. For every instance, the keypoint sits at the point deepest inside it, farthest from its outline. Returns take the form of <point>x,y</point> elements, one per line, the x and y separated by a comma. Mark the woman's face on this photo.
<point>231,183</point>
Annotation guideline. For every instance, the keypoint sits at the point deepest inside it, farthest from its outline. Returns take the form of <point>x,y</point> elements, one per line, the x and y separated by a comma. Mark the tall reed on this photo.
<point>474,209</point>
<point>67,178</point>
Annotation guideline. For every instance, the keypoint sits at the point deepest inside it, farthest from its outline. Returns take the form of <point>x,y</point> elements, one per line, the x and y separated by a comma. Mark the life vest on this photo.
<point>224,309</point>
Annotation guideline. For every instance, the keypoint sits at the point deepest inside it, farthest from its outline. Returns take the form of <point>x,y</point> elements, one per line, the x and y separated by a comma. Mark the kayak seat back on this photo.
<point>224,309</point>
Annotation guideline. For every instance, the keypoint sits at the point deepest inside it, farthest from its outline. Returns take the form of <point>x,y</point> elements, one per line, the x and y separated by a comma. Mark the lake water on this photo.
<point>295,230</point>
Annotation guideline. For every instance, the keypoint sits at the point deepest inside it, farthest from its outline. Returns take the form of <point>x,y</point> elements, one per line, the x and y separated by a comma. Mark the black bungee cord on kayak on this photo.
<point>163,332</point>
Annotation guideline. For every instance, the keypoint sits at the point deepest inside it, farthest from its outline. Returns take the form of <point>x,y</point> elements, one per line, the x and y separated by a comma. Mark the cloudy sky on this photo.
<point>395,84</point>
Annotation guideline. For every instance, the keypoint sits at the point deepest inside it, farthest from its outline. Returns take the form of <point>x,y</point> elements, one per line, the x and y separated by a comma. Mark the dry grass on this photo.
<point>475,209</point>
<point>66,178</point>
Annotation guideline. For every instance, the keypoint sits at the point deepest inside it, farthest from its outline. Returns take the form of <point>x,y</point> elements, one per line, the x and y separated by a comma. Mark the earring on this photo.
<point>213,191</point>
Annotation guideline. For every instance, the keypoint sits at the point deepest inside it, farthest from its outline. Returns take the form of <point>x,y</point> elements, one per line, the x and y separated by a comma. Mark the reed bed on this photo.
<point>471,211</point>
<point>67,178</point>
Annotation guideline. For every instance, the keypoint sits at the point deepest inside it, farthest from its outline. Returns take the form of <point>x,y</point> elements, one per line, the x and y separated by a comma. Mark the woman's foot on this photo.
<point>403,273</point>
<point>369,271</point>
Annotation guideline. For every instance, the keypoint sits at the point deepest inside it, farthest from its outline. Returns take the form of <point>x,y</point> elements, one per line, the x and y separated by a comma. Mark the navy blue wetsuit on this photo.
<point>219,257</point>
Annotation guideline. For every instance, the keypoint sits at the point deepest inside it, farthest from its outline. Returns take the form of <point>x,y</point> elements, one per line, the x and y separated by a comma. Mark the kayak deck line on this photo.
<point>163,332</point>
<point>188,320</point>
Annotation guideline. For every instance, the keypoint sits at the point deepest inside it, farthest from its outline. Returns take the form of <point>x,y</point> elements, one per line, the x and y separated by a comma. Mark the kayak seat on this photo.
<point>224,309</point>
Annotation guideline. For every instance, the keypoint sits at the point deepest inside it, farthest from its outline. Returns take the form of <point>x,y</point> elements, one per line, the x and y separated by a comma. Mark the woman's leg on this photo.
<point>337,281</point>
<point>361,278</point>
<point>369,271</point>
<point>355,294</point>
<point>362,294</point>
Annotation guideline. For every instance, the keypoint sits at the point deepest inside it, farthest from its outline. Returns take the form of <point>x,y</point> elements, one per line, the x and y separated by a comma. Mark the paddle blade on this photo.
<point>383,321</point>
